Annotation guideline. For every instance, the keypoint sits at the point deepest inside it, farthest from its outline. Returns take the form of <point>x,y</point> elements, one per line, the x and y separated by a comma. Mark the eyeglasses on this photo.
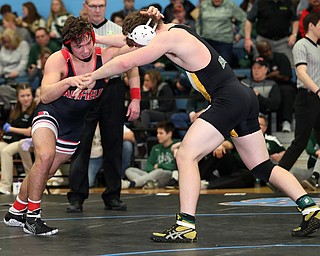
<point>95,7</point>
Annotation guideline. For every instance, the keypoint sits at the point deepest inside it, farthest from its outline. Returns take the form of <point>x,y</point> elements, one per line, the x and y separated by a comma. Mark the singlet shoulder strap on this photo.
<point>98,50</point>
<point>65,54</point>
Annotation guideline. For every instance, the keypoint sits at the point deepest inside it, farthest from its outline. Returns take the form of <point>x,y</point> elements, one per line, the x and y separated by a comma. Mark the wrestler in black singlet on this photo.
<point>233,105</point>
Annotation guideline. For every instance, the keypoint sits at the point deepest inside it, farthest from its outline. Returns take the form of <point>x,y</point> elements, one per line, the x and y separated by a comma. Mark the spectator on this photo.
<point>182,120</point>
<point>84,13</point>
<point>35,72</point>
<point>128,6</point>
<point>96,157</point>
<point>267,90</point>
<point>231,172</point>
<point>168,10</point>
<point>18,128</point>
<point>215,24</point>
<point>179,14</point>
<point>42,40</point>
<point>9,21</point>
<point>277,22</point>
<point>57,17</point>
<point>160,164</point>
<point>157,109</point>
<point>6,8</point>
<point>31,19</point>
<point>314,6</point>
<point>14,55</point>
<point>281,72</point>
<point>117,18</point>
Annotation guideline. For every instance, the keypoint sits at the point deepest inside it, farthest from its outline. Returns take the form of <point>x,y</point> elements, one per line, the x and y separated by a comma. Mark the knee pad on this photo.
<point>263,170</point>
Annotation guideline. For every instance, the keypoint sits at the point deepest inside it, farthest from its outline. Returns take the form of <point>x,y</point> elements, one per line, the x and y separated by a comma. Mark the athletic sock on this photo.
<point>305,201</point>
<point>186,220</point>
<point>19,205</point>
<point>33,205</point>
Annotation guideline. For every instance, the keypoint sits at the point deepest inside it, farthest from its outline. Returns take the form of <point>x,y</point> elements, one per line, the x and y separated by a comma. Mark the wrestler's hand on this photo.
<point>133,110</point>
<point>153,12</point>
<point>79,81</point>
<point>86,84</point>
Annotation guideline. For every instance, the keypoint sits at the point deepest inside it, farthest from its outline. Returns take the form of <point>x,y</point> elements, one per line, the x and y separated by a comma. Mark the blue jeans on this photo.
<point>127,152</point>
<point>181,122</point>
<point>95,165</point>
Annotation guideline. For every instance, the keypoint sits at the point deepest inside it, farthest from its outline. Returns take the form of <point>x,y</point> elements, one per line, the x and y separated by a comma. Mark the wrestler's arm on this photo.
<point>53,84</point>
<point>142,56</point>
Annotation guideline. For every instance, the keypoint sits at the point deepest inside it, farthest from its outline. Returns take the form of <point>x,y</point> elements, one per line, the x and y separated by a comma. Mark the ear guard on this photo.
<point>143,34</point>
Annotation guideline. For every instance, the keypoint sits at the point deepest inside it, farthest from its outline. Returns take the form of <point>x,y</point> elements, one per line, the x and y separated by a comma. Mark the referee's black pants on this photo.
<point>109,110</point>
<point>307,115</point>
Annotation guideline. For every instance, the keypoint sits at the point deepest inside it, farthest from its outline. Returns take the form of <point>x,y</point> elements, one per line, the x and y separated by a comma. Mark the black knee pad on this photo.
<point>263,170</point>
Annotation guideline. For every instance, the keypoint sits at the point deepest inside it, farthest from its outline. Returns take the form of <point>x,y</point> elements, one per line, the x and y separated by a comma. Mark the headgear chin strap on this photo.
<point>143,34</point>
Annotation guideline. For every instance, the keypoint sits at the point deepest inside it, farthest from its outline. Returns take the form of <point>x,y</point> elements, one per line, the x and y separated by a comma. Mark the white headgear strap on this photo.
<point>143,34</point>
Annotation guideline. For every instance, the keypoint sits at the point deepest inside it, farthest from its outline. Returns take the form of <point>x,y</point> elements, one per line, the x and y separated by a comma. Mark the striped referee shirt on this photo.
<point>306,52</point>
<point>107,27</point>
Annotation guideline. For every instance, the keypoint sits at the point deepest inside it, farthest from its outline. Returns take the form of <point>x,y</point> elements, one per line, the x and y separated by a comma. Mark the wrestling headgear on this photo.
<point>143,34</point>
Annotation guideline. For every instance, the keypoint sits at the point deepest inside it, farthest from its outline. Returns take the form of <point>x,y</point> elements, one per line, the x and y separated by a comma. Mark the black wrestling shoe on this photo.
<point>36,226</point>
<point>181,232</point>
<point>115,205</point>
<point>74,207</point>
<point>15,219</point>
<point>310,222</point>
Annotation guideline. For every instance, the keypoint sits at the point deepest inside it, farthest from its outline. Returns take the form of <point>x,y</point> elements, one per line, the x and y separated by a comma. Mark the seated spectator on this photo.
<point>155,109</point>
<point>9,21</point>
<point>281,72</point>
<point>42,40</point>
<point>168,10</point>
<point>6,8</point>
<point>96,157</point>
<point>31,19</point>
<point>160,164</point>
<point>267,90</point>
<point>224,168</point>
<point>14,55</point>
<point>57,17</point>
<point>18,128</point>
<point>35,72</point>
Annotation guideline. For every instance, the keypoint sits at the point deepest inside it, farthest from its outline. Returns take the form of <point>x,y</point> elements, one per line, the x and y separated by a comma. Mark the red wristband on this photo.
<point>135,93</point>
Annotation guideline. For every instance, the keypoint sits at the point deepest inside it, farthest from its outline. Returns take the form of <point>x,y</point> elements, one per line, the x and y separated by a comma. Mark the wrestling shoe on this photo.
<point>36,226</point>
<point>310,222</point>
<point>15,219</point>
<point>181,232</point>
